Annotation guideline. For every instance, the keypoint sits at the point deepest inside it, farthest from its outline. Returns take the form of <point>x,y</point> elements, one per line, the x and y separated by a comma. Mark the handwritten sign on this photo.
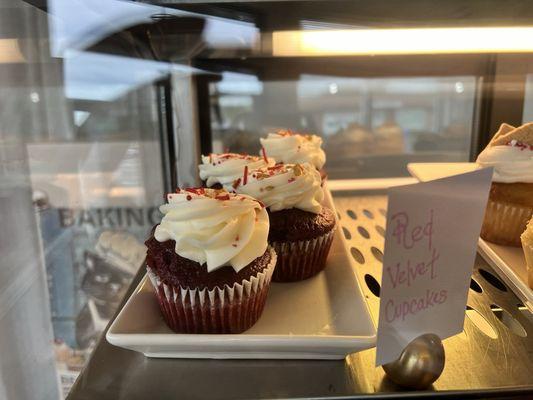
<point>430,246</point>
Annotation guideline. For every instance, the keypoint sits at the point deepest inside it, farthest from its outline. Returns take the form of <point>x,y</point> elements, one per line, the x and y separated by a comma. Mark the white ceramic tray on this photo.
<point>509,262</point>
<point>324,317</point>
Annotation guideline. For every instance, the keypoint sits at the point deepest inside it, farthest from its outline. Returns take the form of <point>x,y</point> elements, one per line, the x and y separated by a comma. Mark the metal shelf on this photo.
<point>477,365</point>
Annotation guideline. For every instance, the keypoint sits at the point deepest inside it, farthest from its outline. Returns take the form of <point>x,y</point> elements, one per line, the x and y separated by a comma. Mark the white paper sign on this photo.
<point>430,247</point>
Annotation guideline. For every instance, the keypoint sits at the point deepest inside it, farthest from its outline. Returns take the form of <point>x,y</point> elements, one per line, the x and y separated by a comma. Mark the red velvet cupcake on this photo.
<point>289,147</point>
<point>301,229</point>
<point>221,170</point>
<point>210,262</point>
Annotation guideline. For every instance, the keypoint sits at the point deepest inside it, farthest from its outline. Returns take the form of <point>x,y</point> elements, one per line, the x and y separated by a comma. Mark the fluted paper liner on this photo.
<point>227,309</point>
<point>301,259</point>
<point>528,253</point>
<point>505,222</point>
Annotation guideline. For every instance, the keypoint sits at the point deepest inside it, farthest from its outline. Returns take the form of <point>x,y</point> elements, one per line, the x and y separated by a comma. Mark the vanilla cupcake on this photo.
<point>510,204</point>
<point>209,261</point>
<point>222,170</point>
<point>527,246</point>
<point>288,147</point>
<point>301,228</point>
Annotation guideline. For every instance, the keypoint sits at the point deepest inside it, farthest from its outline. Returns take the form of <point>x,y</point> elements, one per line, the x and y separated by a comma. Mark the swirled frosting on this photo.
<point>287,147</point>
<point>285,186</point>
<point>510,152</point>
<point>214,227</point>
<point>227,167</point>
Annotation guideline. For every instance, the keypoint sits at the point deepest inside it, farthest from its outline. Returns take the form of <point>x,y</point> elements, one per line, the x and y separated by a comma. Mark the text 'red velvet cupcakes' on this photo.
<point>301,229</point>
<point>210,262</point>
<point>221,170</point>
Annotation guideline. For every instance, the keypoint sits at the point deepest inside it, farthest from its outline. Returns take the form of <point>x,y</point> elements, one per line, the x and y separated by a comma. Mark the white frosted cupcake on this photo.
<point>527,246</point>
<point>209,261</point>
<point>224,170</point>
<point>289,147</point>
<point>510,203</point>
<point>301,228</point>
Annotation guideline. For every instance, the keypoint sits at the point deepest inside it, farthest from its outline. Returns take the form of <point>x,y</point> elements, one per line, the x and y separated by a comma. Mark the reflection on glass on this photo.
<point>370,127</point>
<point>402,41</point>
<point>527,115</point>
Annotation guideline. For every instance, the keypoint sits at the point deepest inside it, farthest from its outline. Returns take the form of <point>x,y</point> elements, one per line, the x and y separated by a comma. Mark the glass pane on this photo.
<point>370,127</point>
<point>80,185</point>
<point>528,100</point>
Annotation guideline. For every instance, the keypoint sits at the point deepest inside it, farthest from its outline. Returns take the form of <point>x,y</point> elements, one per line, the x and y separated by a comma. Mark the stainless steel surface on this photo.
<point>420,364</point>
<point>475,362</point>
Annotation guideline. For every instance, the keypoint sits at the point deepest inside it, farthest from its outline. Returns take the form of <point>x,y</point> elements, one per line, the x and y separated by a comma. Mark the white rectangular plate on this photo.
<point>509,262</point>
<point>324,317</point>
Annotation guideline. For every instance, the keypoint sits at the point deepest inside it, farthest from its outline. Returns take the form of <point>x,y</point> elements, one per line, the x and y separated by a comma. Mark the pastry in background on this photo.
<point>209,261</point>
<point>301,228</point>
<point>389,138</point>
<point>527,246</point>
<point>122,250</point>
<point>290,147</point>
<point>354,141</point>
<point>510,203</point>
<point>221,170</point>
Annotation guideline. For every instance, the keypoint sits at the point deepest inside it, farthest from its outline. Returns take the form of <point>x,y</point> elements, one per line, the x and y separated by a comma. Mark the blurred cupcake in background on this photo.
<point>510,203</point>
<point>209,261</point>
<point>221,170</point>
<point>289,147</point>
<point>301,228</point>
<point>527,246</point>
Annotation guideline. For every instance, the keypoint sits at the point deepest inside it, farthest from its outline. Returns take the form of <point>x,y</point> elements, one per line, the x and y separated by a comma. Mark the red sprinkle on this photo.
<point>223,196</point>
<point>291,180</point>
<point>198,190</point>
<point>245,177</point>
<point>236,183</point>
<point>264,154</point>
<point>520,145</point>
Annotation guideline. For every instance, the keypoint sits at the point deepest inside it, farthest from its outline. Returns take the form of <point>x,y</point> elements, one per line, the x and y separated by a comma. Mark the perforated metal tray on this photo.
<point>490,358</point>
<point>496,346</point>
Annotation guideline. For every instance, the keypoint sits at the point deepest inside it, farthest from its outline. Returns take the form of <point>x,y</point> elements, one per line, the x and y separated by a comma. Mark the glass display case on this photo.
<point>107,105</point>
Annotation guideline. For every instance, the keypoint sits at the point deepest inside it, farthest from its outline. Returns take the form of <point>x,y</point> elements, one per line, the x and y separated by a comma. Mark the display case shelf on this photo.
<point>490,358</point>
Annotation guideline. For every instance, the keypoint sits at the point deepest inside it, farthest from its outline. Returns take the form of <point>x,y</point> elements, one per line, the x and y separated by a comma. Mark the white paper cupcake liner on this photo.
<point>505,222</point>
<point>301,259</point>
<point>528,253</point>
<point>227,309</point>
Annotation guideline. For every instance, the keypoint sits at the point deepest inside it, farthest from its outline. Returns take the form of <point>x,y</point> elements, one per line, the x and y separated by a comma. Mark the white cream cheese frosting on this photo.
<point>510,153</point>
<point>227,167</point>
<point>292,148</point>
<point>214,227</point>
<point>285,186</point>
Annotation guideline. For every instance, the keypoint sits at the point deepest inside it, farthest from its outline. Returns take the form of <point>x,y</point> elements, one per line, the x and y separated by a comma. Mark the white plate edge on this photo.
<point>133,340</point>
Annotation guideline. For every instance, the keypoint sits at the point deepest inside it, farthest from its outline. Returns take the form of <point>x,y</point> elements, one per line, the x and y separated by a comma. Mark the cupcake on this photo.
<point>510,203</point>
<point>221,170</point>
<point>527,246</point>
<point>301,229</point>
<point>209,261</point>
<point>288,147</point>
